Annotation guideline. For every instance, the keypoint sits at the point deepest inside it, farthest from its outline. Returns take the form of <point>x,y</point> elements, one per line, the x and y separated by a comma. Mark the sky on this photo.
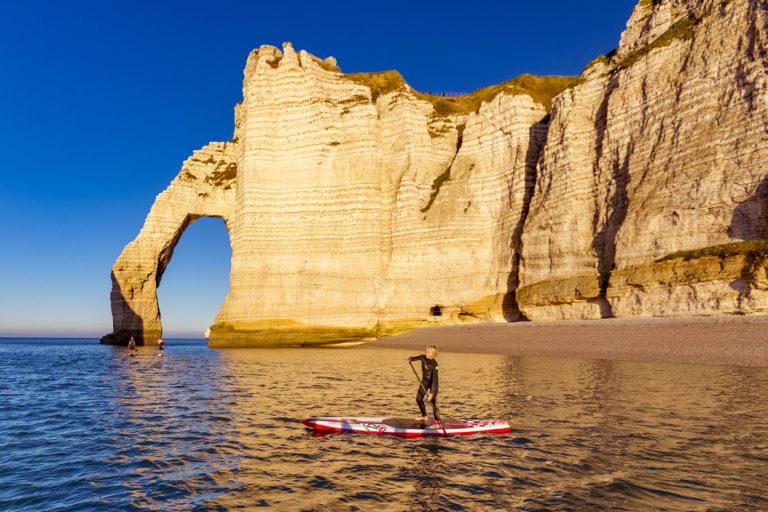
<point>101,102</point>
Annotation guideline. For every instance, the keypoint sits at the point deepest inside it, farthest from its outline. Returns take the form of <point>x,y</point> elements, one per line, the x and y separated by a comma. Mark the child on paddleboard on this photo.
<point>429,382</point>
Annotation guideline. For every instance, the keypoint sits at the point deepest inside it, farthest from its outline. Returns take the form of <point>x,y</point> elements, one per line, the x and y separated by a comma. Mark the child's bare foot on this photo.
<point>421,418</point>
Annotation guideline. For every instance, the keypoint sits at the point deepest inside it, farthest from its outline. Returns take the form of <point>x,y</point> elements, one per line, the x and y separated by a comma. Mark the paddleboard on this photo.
<point>406,427</point>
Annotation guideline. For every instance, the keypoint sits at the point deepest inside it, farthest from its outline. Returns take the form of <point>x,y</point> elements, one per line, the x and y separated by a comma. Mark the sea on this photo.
<point>89,427</point>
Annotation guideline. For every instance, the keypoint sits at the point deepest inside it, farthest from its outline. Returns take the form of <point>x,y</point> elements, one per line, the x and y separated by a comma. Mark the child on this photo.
<point>429,384</point>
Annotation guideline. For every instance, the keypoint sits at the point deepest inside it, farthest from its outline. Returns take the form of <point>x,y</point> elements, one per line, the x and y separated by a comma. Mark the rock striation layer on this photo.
<point>203,188</point>
<point>659,147</point>
<point>359,208</point>
<point>356,207</point>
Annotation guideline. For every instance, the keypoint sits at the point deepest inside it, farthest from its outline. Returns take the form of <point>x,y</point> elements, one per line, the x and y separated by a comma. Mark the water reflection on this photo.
<point>425,470</point>
<point>586,431</point>
<point>174,440</point>
<point>655,435</point>
<point>202,429</point>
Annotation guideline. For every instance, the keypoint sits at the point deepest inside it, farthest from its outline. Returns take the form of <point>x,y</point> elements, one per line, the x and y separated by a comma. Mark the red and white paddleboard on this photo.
<point>405,427</point>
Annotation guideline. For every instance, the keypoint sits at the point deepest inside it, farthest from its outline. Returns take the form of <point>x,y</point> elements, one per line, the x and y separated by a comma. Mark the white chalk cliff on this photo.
<point>658,152</point>
<point>359,208</point>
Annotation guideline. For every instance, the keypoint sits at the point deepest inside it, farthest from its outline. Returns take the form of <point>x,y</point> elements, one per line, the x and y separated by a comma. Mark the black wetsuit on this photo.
<point>429,381</point>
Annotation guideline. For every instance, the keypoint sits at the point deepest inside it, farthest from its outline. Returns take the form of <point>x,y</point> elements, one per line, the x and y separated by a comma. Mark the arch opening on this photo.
<point>192,289</point>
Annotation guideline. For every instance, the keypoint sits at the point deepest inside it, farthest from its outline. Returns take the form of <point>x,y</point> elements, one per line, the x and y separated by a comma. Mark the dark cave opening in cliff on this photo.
<point>196,281</point>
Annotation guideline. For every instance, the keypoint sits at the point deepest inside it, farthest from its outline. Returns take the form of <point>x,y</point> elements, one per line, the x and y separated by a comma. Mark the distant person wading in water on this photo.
<point>429,381</point>
<point>160,346</point>
<point>131,345</point>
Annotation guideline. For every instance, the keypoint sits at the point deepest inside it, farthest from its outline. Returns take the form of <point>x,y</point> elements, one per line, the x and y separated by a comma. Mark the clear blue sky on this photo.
<point>100,102</point>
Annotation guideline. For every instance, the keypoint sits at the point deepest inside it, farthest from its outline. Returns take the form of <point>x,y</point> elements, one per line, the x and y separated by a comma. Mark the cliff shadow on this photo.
<point>754,52</point>
<point>604,243</point>
<point>166,253</point>
<point>537,137</point>
<point>128,290</point>
<point>131,323</point>
<point>749,220</point>
<point>126,322</point>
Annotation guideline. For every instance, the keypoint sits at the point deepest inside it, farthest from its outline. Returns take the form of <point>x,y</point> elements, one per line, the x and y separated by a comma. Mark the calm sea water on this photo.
<point>88,427</point>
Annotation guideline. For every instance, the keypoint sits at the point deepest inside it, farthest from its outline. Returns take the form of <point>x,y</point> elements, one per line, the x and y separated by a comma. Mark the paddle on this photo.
<point>434,405</point>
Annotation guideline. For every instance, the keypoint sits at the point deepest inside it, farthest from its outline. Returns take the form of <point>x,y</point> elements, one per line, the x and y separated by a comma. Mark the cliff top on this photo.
<point>540,88</point>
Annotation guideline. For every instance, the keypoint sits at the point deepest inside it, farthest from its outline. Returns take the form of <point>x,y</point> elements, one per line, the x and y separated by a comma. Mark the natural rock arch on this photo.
<point>358,204</point>
<point>203,188</point>
<point>361,203</point>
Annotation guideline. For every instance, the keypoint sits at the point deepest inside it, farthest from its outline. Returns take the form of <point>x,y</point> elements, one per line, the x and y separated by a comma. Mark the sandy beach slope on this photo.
<point>733,340</point>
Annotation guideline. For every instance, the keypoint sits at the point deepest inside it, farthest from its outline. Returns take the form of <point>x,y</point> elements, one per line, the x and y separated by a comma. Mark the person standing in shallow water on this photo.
<point>429,381</point>
<point>131,345</point>
<point>160,346</point>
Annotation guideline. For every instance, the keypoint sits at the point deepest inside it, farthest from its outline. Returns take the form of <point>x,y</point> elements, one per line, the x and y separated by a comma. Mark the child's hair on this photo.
<point>432,348</point>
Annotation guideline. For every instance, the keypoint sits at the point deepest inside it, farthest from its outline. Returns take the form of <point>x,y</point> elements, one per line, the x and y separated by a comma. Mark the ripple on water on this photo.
<point>86,427</point>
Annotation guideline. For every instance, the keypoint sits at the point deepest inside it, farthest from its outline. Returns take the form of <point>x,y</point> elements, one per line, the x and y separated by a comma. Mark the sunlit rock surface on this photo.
<point>359,208</point>
<point>203,188</point>
<point>659,148</point>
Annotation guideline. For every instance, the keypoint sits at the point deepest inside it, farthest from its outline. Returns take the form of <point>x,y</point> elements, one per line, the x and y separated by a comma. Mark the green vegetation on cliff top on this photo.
<point>540,88</point>
<point>682,29</point>
<point>380,83</point>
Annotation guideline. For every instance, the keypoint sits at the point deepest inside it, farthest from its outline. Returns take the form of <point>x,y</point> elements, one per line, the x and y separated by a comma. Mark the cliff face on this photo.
<point>362,205</point>
<point>356,206</point>
<point>659,148</point>
<point>360,208</point>
<point>203,188</point>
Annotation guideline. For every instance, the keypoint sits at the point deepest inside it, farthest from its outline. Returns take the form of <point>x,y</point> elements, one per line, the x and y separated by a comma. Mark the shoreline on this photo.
<point>722,340</point>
